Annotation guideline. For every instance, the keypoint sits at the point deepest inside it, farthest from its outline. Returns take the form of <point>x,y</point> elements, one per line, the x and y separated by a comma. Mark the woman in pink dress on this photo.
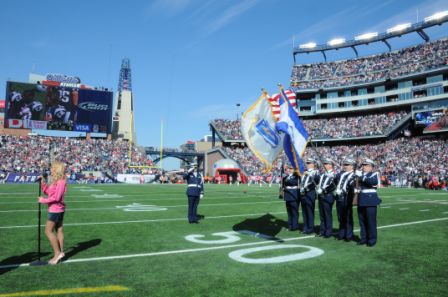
<point>56,209</point>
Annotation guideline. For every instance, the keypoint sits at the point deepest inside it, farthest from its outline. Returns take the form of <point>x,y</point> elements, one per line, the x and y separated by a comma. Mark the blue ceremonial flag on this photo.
<point>258,129</point>
<point>296,137</point>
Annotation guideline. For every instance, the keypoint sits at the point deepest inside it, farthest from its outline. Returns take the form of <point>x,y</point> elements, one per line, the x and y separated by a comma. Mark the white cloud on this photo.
<point>229,15</point>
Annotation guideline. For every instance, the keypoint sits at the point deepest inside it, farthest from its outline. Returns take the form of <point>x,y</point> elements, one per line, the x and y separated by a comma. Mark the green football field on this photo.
<point>124,240</point>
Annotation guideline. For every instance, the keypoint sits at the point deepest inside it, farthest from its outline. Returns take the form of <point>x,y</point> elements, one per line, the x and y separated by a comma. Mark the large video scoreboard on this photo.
<point>58,106</point>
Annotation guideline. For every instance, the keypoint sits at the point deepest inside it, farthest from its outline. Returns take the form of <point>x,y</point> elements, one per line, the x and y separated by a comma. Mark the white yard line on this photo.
<point>195,250</point>
<point>424,210</point>
<point>99,200</point>
<point>143,221</point>
<point>167,206</point>
<point>405,208</point>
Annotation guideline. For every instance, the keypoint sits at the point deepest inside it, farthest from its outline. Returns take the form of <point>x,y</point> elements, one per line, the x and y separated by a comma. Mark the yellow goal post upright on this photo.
<point>131,142</point>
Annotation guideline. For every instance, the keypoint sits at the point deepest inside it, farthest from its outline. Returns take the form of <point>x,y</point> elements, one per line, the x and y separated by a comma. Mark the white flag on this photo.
<point>258,129</point>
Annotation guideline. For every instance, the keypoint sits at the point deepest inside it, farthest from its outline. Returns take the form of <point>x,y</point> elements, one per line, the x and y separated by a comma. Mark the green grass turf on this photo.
<point>409,260</point>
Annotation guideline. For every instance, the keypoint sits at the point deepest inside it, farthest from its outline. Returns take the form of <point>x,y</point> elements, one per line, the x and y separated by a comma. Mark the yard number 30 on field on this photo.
<point>241,255</point>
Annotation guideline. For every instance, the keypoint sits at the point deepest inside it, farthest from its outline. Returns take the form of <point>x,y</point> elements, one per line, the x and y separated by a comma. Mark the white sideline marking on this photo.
<point>384,206</point>
<point>406,208</point>
<point>144,221</point>
<point>424,210</point>
<point>82,260</point>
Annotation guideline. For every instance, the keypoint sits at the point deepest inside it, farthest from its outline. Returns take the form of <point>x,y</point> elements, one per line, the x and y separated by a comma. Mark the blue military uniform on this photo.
<point>326,201</point>
<point>344,201</point>
<point>292,201</point>
<point>368,202</point>
<point>195,188</point>
<point>308,199</point>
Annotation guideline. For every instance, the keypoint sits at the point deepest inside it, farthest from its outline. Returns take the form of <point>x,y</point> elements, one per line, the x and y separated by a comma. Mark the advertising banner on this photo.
<point>21,178</point>
<point>135,178</point>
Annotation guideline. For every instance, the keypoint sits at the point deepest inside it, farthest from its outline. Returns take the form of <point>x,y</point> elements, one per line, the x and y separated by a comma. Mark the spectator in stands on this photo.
<point>411,60</point>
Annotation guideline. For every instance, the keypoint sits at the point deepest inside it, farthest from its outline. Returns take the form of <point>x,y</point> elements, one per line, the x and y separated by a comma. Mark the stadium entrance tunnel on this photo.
<point>227,171</point>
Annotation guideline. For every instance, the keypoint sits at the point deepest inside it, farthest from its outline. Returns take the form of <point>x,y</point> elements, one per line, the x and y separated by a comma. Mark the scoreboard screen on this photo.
<point>58,106</point>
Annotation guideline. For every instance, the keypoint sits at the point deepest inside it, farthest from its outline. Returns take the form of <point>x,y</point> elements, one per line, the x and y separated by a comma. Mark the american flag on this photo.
<point>273,100</point>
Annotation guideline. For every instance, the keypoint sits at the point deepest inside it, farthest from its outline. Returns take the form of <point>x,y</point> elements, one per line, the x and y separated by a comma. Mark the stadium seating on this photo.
<point>402,161</point>
<point>411,60</point>
<point>334,128</point>
<point>30,154</point>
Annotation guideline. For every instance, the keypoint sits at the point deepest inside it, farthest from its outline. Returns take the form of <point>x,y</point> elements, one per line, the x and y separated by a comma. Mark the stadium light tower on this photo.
<point>125,79</point>
<point>366,36</point>
<point>399,28</point>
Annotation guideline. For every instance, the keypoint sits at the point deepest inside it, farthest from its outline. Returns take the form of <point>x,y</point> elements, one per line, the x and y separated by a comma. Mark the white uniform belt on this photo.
<point>294,187</point>
<point>197,186</point>
<point>368,191</point>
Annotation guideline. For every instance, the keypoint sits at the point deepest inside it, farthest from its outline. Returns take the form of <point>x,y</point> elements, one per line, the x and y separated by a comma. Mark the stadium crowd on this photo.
<point>30,154</point>
<point>406,61</point>
<point>337,127</point>
<point>401,162</point>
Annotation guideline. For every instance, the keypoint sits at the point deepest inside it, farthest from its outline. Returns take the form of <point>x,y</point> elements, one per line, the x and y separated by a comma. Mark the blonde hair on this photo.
<point>57,171</point>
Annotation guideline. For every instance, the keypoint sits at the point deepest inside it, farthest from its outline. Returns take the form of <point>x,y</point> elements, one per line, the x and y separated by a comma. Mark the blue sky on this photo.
<point>192,60</point>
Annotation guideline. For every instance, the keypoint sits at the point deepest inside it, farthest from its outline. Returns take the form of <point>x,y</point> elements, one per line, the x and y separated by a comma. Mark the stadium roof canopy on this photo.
<point>397,31</point>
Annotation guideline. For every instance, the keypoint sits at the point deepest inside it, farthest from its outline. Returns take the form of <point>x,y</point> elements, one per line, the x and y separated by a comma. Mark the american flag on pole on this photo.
<point>274,101</point>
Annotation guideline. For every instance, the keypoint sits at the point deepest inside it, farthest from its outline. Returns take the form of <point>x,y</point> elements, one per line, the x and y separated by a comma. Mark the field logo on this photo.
<point>141,207</point>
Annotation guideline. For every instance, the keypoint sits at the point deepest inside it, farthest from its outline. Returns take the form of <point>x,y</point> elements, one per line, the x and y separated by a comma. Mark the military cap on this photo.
<point>368,161</point>
<point>349,161</point>
<point>310,160</point>
<point>328,161</point>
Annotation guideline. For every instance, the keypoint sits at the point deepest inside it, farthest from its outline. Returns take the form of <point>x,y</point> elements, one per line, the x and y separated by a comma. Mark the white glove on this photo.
<point>358,173</point>
<point>338,192</point>
<point>357,191</point>
<point>319,191</point>
<point>190,170</point>
<point>201,196</point>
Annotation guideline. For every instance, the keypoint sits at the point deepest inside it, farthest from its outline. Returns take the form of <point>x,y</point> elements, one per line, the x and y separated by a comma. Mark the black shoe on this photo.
<point>371,244</point>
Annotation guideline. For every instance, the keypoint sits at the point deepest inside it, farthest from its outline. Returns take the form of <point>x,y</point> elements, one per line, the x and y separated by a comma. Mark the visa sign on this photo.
<point>82,127</point>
